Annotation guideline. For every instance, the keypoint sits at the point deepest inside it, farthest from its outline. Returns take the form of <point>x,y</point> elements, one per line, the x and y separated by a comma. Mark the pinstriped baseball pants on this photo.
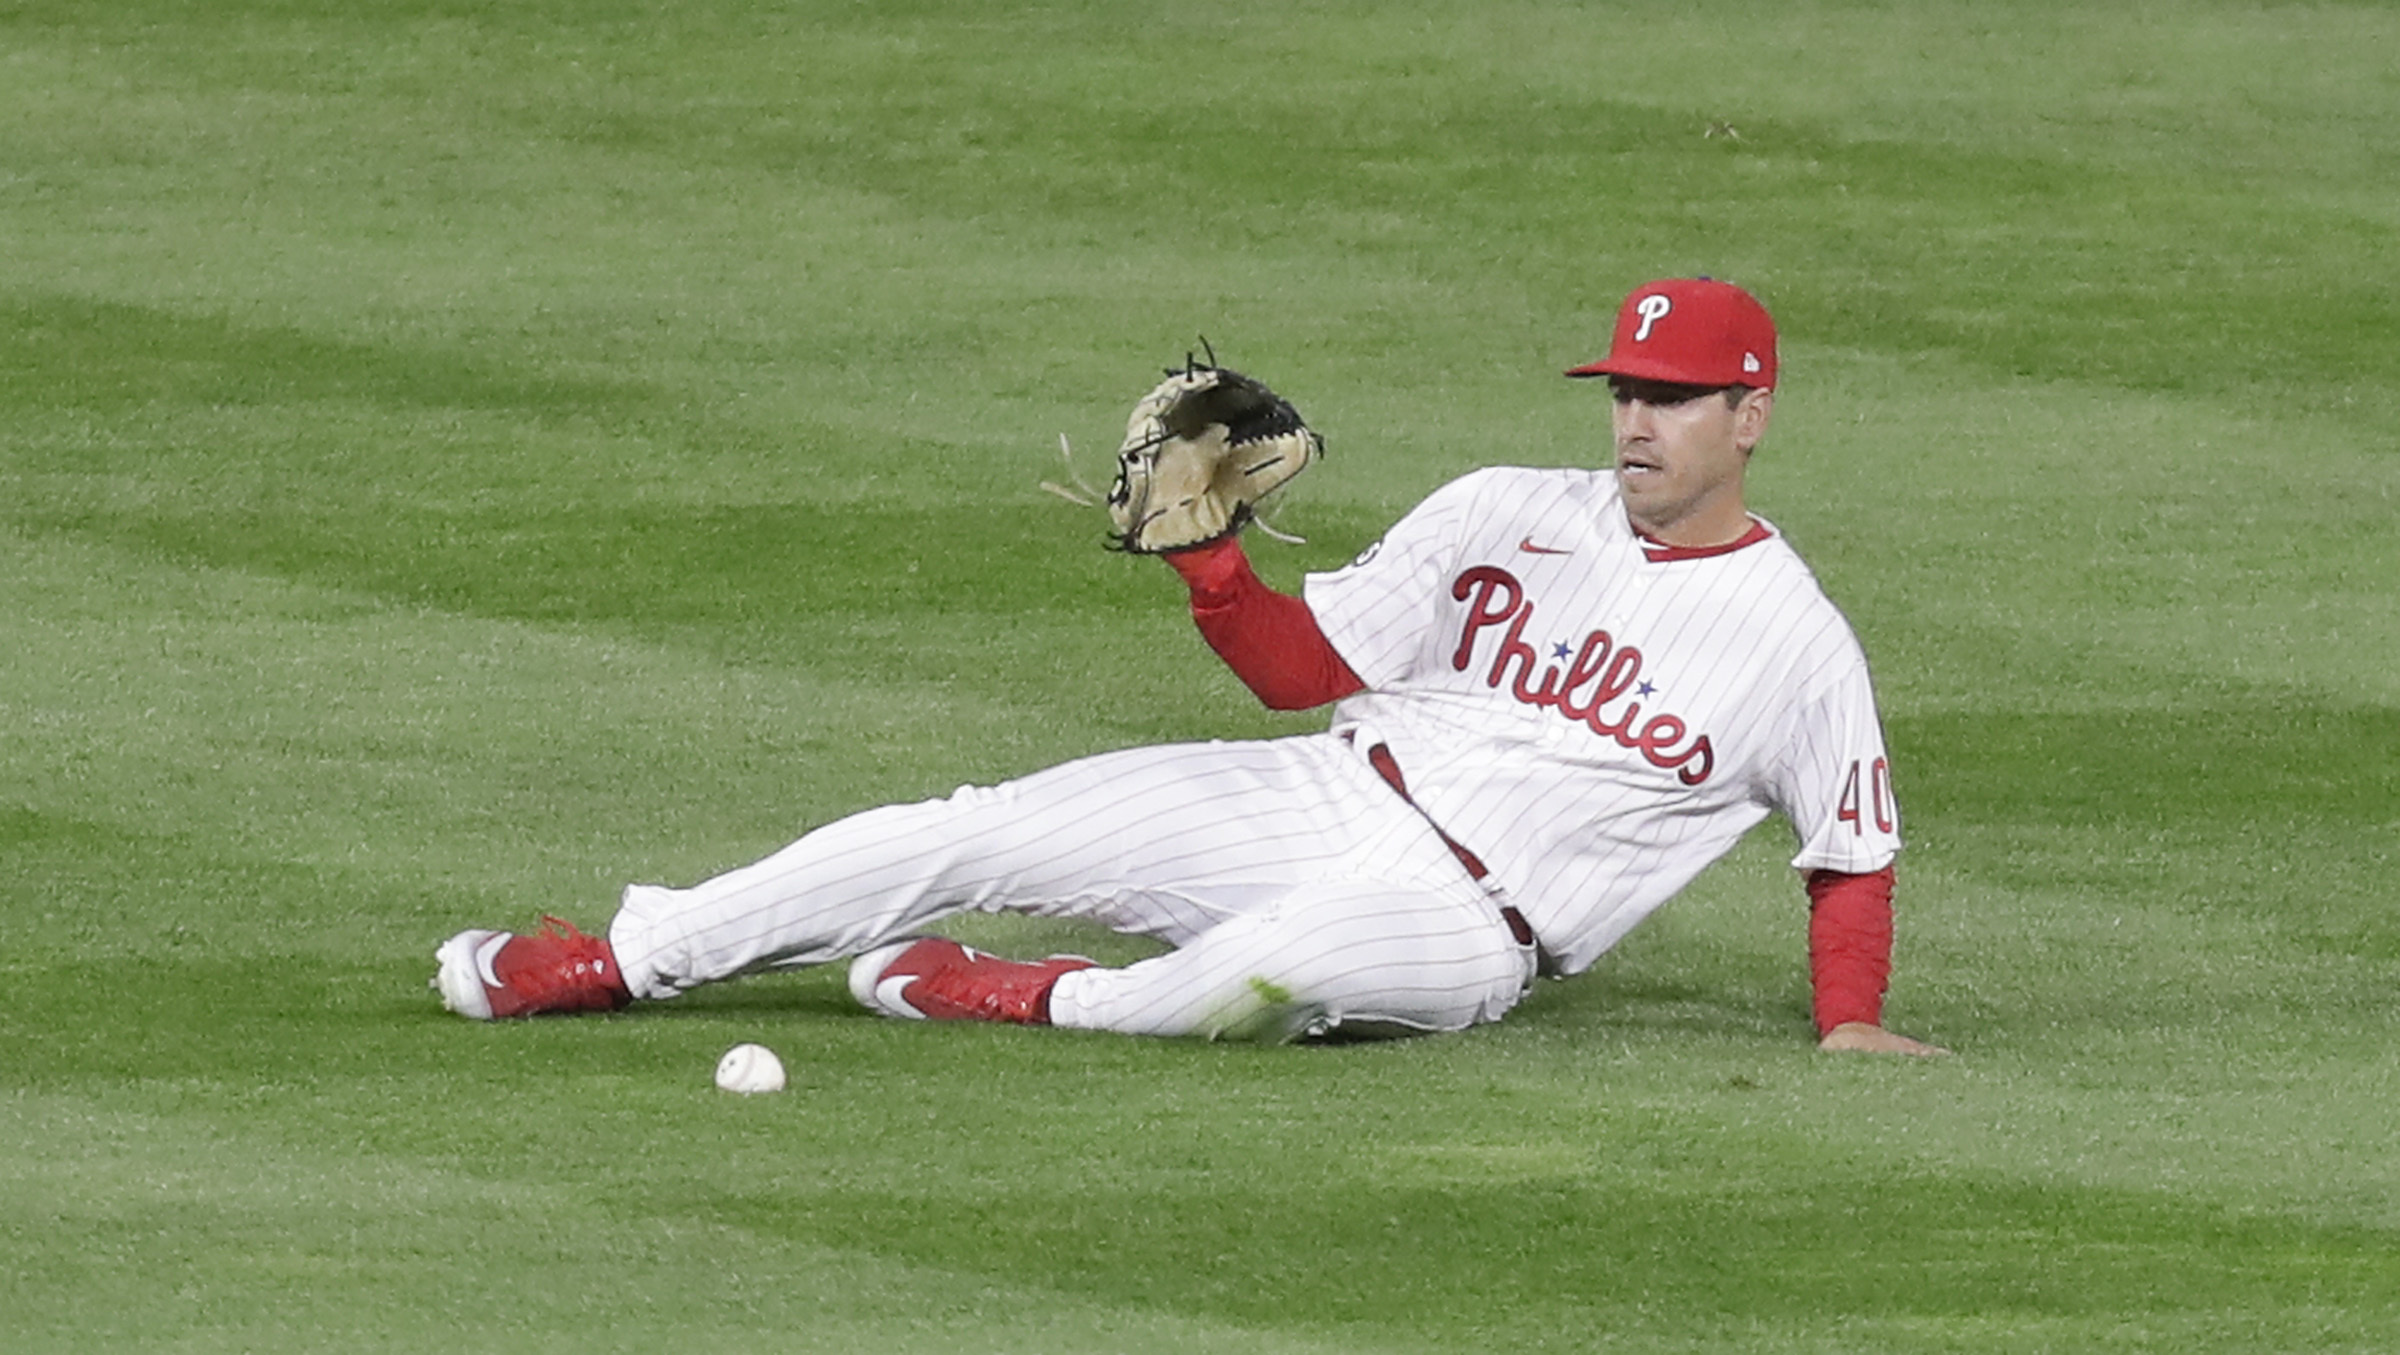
<point>1299,892</point>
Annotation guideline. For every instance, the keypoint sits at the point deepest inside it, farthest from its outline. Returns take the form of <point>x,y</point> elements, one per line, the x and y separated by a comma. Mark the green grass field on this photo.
<point>457,458</point>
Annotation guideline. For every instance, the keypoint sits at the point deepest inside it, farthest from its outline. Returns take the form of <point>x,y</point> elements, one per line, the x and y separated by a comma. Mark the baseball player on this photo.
<point>1557,696</point>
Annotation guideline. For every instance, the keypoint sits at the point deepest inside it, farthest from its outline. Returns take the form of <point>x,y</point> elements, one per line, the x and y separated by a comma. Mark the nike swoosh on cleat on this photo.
<point>892,993</point>
<point>1529,548</point>
<point>485,954</point>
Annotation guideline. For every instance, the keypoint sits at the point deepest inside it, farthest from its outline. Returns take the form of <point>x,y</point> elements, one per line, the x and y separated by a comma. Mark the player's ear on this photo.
<point>1750,418</point>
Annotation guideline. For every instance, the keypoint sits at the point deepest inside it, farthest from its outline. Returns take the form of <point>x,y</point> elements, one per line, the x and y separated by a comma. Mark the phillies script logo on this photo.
<point>1600,672</point>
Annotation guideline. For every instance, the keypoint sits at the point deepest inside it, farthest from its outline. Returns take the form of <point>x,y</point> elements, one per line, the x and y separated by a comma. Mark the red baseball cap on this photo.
<point>1693,332</point>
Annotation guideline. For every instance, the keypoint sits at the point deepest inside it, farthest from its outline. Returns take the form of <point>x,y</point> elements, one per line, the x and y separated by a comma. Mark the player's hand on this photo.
<point>1862,1038</point>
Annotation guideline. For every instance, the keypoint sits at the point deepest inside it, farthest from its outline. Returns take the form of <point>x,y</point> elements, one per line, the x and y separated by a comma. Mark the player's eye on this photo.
<point>1656,393</point>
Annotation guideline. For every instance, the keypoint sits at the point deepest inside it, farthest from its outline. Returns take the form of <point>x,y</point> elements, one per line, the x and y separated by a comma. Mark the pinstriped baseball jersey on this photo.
<point>1598,716</point>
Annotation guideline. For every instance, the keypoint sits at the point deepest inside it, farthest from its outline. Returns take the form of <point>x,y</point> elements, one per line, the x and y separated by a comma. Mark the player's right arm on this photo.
<point>1274,641</point>
<point>1270,640</point>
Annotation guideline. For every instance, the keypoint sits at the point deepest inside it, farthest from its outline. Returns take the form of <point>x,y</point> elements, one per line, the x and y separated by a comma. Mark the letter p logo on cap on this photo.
<point>1652,309</point>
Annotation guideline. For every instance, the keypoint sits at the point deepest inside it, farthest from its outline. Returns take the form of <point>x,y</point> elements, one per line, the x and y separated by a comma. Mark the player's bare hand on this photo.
<point>1862,1038</point>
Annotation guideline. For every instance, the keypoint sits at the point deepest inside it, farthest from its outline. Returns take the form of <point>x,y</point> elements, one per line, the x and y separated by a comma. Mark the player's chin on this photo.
<point>1648,495</point>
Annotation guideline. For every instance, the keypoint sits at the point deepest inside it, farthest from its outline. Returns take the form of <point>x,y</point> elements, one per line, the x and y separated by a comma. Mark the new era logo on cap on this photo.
<point>1691,331</point>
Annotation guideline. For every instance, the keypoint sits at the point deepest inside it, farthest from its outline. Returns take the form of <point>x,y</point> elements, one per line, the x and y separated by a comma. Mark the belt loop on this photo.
<point>1518,927</point>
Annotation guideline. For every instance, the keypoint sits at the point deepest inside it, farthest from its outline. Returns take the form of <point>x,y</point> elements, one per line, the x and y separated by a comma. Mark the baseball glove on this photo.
<point>1200,451</point>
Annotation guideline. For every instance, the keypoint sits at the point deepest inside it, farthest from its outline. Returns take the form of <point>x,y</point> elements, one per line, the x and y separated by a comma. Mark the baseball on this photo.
<point>749,1068</point>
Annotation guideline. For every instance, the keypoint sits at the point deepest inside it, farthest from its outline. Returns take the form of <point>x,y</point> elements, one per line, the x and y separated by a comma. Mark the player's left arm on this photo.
<point>1860,1038</point>
<point>1835,784</point>
<point>1850,962</point>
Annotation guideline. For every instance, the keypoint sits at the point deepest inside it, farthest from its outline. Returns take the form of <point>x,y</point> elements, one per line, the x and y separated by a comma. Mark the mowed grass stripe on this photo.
<point>311,1245</point>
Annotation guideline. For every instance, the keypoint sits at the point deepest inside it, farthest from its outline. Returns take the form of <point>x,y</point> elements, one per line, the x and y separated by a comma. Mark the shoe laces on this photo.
<point>565,965</point>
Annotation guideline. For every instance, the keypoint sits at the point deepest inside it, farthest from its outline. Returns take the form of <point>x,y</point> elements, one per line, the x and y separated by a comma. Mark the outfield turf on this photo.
<point>456,458</point>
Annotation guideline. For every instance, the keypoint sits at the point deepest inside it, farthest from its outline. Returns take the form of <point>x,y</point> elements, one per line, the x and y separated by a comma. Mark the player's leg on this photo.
<point>1390,935</point>
<point>1066,839</point>
<point>1367,957</point>
<point>1166,842</point>
<point>1157,841</point>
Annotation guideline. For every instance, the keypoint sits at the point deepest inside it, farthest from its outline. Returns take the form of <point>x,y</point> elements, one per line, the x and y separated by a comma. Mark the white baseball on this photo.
<point>749,1068</point>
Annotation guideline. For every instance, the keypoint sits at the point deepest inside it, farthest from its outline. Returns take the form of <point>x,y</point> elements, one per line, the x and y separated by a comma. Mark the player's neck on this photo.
<point>1720,525</point>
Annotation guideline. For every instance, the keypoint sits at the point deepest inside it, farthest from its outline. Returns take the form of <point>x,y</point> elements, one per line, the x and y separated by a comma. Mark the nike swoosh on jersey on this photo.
<point>1529,548</point>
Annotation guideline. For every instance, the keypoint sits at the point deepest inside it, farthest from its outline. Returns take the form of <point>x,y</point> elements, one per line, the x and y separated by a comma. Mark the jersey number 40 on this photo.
<point>1868,791</point>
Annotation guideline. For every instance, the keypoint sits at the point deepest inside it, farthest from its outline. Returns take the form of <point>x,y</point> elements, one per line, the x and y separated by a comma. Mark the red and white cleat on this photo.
<point>491,975</point>
<point>933,978</point>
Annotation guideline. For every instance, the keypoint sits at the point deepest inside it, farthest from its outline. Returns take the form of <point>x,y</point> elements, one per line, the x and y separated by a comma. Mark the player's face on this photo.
<point>1681,452</point>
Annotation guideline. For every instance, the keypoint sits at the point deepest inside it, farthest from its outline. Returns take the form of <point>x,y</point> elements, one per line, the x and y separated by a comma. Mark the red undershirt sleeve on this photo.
<point>1270,640</point>
<point>1849,945</point>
